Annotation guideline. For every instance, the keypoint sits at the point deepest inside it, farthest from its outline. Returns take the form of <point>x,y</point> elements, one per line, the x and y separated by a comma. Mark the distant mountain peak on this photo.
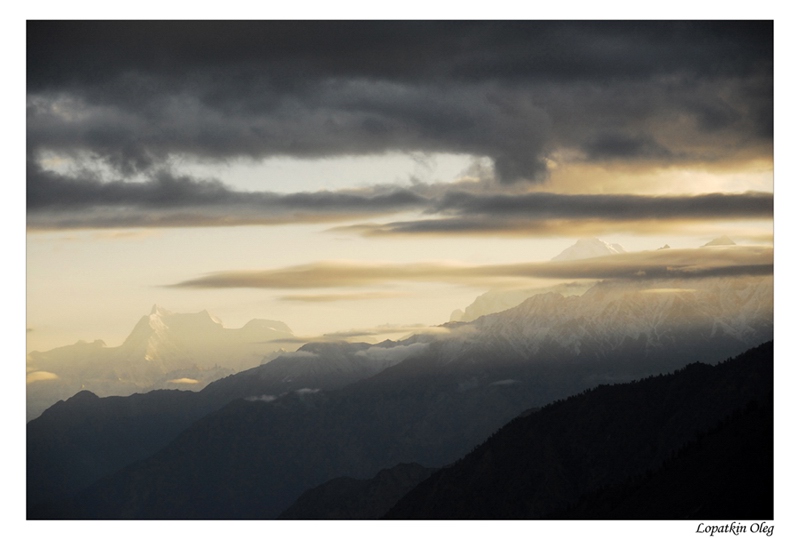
<point>590,247</point>
<point>720,241</point>
<point>159,311</point>
<point>160,316</point>
<point>83,396</point>
<point>162,347</point>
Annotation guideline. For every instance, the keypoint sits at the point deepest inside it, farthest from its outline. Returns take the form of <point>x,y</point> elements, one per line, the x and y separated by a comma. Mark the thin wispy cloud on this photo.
<point>336,297</point>
<point>548,214</point>
<point>669,263</point>
<point>380,332</point>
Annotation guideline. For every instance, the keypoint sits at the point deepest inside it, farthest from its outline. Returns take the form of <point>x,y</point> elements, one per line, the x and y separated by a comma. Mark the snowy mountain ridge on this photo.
<point>164,350</point>
<point>611,315</point>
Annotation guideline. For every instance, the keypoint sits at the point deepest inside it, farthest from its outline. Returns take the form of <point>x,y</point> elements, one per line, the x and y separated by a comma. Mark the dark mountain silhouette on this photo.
<point>78,441</point>
<point>317,365</point>
<point>252,459</point>
<point>541,464</point>
<point>349,498</point>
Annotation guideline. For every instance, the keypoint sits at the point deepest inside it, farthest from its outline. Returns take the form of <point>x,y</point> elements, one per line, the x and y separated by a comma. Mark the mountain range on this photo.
<point>248,445</point>
<point>498,300</point>
<point>704,432</point>
<point>694,444</point>
<point>164,350</point>
<point>77,441</point>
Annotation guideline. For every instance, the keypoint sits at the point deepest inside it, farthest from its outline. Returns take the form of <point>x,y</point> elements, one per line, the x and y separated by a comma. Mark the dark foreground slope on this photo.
<point>726,473</point>
<point>541,464</point>
<point>350,498</point>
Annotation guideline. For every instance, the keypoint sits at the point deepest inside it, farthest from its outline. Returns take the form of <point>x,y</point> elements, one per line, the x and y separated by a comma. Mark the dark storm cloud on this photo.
<point>46,189</point>
<point>49,190</point>
<point>87,52</point>
<point>616,145</point>
<point>346,117</point>
<point>134,93</point>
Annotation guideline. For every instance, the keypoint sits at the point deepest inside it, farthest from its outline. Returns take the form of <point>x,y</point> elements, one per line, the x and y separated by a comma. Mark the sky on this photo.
<point>369,178</point>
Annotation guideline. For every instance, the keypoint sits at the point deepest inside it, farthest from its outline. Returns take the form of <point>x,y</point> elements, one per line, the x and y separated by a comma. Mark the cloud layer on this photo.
<point>660,264</point>
<point>133,96</point>
<point>549,214</point>
<point>58,202</point>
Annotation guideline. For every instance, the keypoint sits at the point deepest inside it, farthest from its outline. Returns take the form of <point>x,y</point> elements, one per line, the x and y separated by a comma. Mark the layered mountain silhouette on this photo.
<point>78,441</point>
<point>165,350</point>
<point>611,453</point>
<point>428,400</point>
<point>604,446</point>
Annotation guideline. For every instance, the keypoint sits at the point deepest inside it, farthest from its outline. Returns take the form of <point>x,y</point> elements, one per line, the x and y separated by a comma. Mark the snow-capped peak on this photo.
<point>589,248</point>
<point>720,241</point>
<point>159,311</point>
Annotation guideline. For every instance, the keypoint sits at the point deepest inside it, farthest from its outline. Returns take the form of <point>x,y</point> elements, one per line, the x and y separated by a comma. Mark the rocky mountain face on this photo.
<point>165,350</point>
<point>653,317</point>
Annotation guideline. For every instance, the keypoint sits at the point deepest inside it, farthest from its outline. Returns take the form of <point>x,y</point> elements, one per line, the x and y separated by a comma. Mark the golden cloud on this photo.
<point>669,263</point>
